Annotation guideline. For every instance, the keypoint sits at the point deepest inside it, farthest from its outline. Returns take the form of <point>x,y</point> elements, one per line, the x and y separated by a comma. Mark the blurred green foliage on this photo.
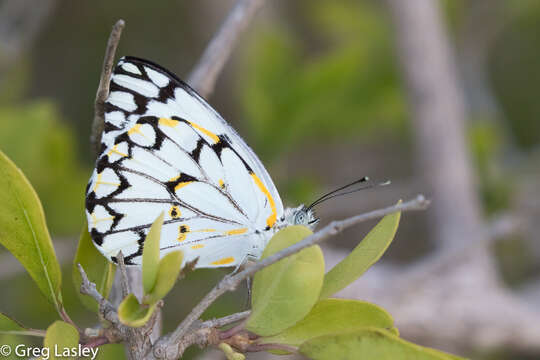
<point>347,91</point>
<point>487,143</point>
<point>43,147</point>
<point>515,73</point>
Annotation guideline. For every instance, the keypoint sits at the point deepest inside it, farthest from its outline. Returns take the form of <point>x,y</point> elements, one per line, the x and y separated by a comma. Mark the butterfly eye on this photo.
<point>300,218</point>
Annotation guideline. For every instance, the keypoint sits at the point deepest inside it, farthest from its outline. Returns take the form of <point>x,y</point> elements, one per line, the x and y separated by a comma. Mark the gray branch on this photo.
<point>205,73</point>
<point>104,83</point>
<point>106,309</point>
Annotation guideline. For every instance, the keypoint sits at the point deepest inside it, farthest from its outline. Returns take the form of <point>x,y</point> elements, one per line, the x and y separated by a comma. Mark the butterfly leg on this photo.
<point>249,282</point>
<point>240,267</point>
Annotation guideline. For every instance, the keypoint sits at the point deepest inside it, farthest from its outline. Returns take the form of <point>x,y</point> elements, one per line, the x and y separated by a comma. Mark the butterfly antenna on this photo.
<point>322,198</point>
<point>334,193</point>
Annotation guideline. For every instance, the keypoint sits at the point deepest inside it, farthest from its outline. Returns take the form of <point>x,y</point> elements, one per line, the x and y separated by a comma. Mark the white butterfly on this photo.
<point>164,149</point>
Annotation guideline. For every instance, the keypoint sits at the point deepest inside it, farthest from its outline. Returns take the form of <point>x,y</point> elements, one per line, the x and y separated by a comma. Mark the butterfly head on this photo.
<point>301,215</point>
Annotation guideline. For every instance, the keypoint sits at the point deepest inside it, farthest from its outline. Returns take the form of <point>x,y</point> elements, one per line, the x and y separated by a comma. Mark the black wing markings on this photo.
<point>174,197</point>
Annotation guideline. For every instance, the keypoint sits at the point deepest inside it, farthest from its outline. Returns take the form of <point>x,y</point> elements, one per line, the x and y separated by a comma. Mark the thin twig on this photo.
<point>124,280</point>
<point>226,320</point>
<point>97,342</point>
<point>103,88</point>
<point>27,332</point>
<point>232,331</point>
<point>203,333</point>
<point>229,283</point>
<point>106,309</point>
<point>65,316</point>
<point>204,75</point>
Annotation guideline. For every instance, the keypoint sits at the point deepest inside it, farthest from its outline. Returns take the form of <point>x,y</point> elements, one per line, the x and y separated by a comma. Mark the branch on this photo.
<point>106,309</point>
<point>103,87</point>
<point>438,116</point>
<point>229,283</point>
<point>226,320</point>
<point>204,75</point>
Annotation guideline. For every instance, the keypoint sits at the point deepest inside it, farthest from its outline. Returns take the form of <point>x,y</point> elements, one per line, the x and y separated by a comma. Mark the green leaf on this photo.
<point>133,314</point>
<point>362,257</point>
<point>285,292</point>
<point>23,230</point>
<point>61,337</point>
<point>8,325</point>
<point>332,316</point>
<point>150,260</point>
<point>99,270</point>
<point>229,352</point>
<point>168,272</point>
<point>370,343</point>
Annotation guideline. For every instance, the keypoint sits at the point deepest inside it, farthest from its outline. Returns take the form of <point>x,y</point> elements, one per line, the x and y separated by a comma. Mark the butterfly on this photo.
<point>165,149</point>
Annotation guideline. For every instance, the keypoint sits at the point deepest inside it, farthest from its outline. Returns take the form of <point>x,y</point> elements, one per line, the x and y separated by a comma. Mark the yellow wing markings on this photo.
<point>168,122</point>
<point>135,129</point>
<point>223,261</point>
<point>271,220</point>
<point>173,123</point>
<point>100,182</point>
<point>183,230</point>
<point>174,212</point>
<point>181,185</point>
<point>236,231</point>
<point>207,132</point>
<point>115,151</point>
<point>95,220</point>
<point>198,246</point>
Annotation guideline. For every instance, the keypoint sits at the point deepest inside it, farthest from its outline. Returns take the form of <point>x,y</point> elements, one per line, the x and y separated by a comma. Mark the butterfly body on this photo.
<point>164,149</point>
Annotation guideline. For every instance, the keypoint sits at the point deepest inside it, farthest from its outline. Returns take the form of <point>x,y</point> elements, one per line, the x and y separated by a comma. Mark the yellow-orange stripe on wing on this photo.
<point>174,123</point>
<point>223,261</point>
<point>210,134</point>
<point>271,220</point>
<point>236,231</point>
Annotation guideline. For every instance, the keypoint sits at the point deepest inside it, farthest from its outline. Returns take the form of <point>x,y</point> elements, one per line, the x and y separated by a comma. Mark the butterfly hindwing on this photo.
<point>164,149</point>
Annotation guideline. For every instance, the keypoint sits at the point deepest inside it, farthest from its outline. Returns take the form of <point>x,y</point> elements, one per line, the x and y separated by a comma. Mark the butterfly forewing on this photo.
<point>164,149</point>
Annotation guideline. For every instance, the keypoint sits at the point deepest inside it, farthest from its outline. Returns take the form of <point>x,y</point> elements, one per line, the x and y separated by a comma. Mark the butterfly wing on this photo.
<point>164,149</point>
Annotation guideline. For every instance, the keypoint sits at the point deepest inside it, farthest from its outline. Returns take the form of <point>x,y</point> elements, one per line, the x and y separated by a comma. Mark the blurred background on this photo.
<point>324,91</point>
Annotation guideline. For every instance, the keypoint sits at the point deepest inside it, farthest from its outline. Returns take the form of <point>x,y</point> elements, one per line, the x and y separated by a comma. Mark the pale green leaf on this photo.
<point>23,230</point>
<point>229,352</point>
<point>7,324</point>
<point>368,252</point>
<point>133,314</point>
<point>169,269</point>
<point>333,316</point>
<point>99,270</point>
<point>61,337</point>
<point>369,343</point>
<point>150,257</point>
<point>285,292</point>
